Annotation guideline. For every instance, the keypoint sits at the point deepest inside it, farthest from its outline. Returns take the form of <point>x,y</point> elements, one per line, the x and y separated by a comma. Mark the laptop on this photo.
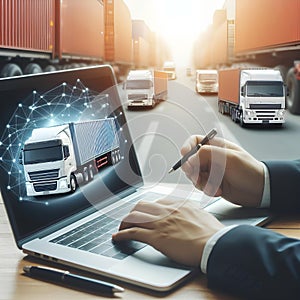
<point>69,174</point>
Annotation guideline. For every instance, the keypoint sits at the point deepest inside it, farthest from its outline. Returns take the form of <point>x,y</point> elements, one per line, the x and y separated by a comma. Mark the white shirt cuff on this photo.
<point>210,244</point>
<point>265,202</point>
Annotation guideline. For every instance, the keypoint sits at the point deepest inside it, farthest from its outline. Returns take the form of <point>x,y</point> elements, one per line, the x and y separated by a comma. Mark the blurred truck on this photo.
<point>145,88</point>
<point>206,81</point>
<point>48,35</point>
<point>170,68</point>
<point>58,158</point>
<point>252,96</point>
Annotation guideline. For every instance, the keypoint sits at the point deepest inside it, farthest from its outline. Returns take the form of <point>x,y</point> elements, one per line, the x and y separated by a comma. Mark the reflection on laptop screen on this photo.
<point>64,146</point>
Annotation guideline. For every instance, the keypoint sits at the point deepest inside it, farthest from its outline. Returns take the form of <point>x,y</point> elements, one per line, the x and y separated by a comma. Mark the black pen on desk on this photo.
<point>72,280</point>
<point>205,140</point>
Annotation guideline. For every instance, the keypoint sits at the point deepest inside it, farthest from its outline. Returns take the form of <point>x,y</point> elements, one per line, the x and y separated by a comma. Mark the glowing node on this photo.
<point>68,105</point>
<point>8,187</point>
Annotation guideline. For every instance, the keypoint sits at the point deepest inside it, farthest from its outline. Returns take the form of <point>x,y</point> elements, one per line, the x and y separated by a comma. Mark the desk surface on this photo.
<point>16,286</point>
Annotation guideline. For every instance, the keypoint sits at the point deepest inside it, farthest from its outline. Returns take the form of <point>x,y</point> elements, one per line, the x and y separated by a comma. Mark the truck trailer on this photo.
<point>49,35</point>
<point>57,159</point>
<point>252,96</point>
<point>145,88</point>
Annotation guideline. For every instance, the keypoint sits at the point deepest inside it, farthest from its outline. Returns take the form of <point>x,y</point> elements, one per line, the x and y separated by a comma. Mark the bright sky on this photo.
<point>179,22</point>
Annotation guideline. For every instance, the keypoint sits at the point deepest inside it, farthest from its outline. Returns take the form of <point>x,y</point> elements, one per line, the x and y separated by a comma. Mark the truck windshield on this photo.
<point>265,89</point>
<point>41,155</point>
<point>138,84</point>
<point>210,77</point>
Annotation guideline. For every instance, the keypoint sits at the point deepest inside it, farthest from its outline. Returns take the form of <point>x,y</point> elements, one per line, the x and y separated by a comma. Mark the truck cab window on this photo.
<point>267,89</point>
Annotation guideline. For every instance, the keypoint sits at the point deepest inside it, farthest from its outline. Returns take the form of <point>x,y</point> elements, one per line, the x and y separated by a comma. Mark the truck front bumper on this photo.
<point>140,103</point>
<point>264,116</point>
<point>47,187</point>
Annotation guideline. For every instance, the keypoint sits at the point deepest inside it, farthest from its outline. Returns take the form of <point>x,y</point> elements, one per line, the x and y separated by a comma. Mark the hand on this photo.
<point>222,168</point>
<point>179,230</point>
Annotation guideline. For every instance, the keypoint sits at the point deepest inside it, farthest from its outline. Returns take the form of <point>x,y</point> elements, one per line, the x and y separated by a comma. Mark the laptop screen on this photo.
<point>64,146</point>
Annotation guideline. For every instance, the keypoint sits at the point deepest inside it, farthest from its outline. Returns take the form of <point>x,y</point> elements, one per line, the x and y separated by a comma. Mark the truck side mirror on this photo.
<point>287,91</point>
<point>243,91</point>
<point>66,152</point>
<point>21,158</point>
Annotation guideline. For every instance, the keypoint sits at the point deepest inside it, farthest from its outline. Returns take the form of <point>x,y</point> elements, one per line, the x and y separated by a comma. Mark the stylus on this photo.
<point>208,137</point>
<point>72,280</point>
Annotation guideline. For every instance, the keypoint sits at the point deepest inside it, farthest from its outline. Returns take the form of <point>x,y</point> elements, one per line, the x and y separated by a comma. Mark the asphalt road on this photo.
<point>159,133</point>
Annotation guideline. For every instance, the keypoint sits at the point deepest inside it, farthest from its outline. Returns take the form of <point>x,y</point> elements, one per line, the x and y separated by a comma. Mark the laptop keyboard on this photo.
<point>95,235</point>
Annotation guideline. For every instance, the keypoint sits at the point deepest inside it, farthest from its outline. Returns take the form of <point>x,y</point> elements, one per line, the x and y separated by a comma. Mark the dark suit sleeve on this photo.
<point>284,185</point>
<point>255,263</point>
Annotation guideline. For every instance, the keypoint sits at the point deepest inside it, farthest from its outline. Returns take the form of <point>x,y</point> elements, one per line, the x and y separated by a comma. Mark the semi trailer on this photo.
<point>57,159</point>
<point>252,96</point>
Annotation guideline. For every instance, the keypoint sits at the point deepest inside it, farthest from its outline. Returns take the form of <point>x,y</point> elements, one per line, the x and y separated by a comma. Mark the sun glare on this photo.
<point>178,22</point>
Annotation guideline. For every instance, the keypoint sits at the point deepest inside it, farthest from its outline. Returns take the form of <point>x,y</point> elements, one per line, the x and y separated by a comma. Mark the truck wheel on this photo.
<point>242,124</point>
<point>73,184</point>
<point>11,70</point>
<point>33,68</point>
<point>293,97</point>
<point>50,68</point>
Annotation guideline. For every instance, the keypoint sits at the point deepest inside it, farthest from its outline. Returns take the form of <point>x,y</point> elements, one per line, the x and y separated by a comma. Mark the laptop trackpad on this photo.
<point>147,264</point>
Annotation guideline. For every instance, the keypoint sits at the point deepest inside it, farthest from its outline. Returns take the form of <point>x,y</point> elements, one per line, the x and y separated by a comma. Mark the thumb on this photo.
<point>135,234</point>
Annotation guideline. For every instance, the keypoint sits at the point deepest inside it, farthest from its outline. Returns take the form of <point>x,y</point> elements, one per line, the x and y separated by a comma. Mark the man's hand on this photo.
<point>179,230</point>
<point>224,169</point>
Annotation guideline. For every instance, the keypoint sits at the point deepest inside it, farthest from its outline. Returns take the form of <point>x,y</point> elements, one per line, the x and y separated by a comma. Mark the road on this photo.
<point>159,133</point>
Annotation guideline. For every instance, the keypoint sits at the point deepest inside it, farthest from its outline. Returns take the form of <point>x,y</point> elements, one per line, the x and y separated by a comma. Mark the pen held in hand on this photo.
<point>72,280</point>
<point>205,140</point>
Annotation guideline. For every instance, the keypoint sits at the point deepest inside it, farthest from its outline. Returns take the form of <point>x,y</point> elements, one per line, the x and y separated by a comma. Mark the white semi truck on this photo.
<point>145,88</point>
<point>252,95</point>
<point>56,159</point>
<point>207,81</point>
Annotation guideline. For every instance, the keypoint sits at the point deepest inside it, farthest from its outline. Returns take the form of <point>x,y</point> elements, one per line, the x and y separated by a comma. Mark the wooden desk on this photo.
<point>16,286</point>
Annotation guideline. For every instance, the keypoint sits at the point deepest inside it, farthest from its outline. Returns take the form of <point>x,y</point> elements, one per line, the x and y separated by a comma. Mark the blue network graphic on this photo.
<point>63,104</point>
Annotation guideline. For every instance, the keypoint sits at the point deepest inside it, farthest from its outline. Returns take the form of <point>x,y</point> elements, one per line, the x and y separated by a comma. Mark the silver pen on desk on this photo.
<point>72,280</point>
<point>205,140</point>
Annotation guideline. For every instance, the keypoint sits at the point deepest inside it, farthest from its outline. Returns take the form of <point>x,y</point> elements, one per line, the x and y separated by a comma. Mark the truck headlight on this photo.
<point>249,113</point>
<point>280,113</point>
<point>63,184</point>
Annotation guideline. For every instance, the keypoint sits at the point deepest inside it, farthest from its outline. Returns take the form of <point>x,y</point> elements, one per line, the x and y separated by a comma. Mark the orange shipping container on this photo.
<point>80,29</point>
<point>266,24</point>
<point>27,25</point>
<point>118,32</point>
<point>229,85</point>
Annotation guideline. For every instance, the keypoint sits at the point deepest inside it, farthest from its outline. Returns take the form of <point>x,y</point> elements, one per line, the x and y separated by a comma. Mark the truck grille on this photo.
<point>265,106</point>
<point>43,187</point>
<point>137,96</point>
<point>44,175</point>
